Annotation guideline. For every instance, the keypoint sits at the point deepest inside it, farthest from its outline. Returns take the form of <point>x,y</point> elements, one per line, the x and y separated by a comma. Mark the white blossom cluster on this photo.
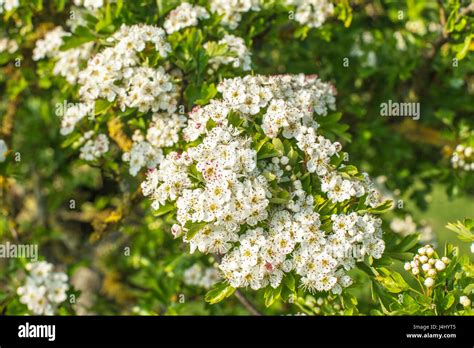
<point>164,129</point>
<point>90,4</point>
<point>238,55</point>
<point>294,241</point>
<point>44,290</point>
<point>116,74</point>
<point>232,193</point>
<point>232,10</point>
<point>220,187</point>
<point>288,103</point>
<point>312,13</point>
<point>142,154</point>
<point>147,151</point>
<point>3,150</point>
<point>8,5</point>
<point>68,64</point>
<point>73,114</point>
<point>425,263</point>
<point>93,148</point>
<point>48,47</point>
<point>406,226</point>
<point>7,45</point>
<point>463,158</point>
<point>201,277</point>
<point>119,74</point>
<point>183,16</point>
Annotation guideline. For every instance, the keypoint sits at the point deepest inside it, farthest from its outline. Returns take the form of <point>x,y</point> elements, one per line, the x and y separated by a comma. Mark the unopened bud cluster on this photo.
<point>426,264</point>
<point>463,158</point>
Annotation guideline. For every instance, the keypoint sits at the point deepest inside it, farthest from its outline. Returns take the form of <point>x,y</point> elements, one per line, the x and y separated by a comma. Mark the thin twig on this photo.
<point>241,297</point>
<point>246,303</point>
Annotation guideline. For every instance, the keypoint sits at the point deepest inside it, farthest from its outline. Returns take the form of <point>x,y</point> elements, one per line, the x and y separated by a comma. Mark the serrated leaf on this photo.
<point>278,146</point>
<point>272,295</point>
<point>408,242</point>
<point>193,228</point>
<point>392,281</point>
<point>164,209</point>
<point>101,106</point>
<point>289,281</point>
<point>220,292</point>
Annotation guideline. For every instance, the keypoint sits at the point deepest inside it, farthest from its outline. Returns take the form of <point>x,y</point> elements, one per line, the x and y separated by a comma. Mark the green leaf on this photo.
<point>408,242</point>
<point>453,16</point>
<point>272,295</point>
<point>382,208</point>
<point>280,197</point>
<point>193,228</point>
<point>220,292</point>
<point>447,301</point>
<point>464,48</point>
<point>164,209</point>
<point>464,230</point>
<point>266,151</point>
<point>81,36</point>
<point>350,169</point>
<point>101,106</point>
<point>392,281</point>
<point>278,145</point>
<point>289,281</point>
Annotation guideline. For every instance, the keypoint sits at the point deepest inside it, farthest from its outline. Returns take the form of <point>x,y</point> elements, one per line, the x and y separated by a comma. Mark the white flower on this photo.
<point>201,277</point>
<point>312,13</point>
<point>142,155</point>
<point>43,289</point>
<point>50,44</point>
<point>73,114</point>
<point>90,4</point>
<point>7,45</point>
<point>183,16</point>
<point>8,5</point>
<point>232,10</point>
<point>237,55</point>
<point>69,62</point>
<point>94,148</point>
<point>3,150</point>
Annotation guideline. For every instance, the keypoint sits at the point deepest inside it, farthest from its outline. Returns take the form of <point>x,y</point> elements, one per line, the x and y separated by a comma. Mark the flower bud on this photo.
<point>465,301</point>
<point>426,267</point>
<point>429,282</point>
<point>440,265</point>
